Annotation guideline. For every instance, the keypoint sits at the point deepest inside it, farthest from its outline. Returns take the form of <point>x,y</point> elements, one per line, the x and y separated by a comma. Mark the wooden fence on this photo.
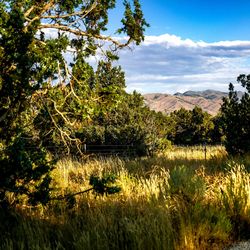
<point>121,150</point>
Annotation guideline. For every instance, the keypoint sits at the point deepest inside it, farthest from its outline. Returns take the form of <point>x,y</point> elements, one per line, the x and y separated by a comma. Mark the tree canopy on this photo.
<point>191,127</point>
<point>31,59</point>
<point>236,118</point>
<point>41,90</point>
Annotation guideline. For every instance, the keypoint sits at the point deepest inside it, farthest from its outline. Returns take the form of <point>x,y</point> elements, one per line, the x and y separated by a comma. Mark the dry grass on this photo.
<point>177,200</point>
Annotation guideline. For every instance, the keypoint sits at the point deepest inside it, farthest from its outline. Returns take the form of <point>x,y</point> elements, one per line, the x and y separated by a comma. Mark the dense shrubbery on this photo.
<point>106,116</point>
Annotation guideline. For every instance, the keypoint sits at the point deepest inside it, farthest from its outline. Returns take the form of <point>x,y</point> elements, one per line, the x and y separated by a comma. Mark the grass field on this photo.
<point>176,200</point>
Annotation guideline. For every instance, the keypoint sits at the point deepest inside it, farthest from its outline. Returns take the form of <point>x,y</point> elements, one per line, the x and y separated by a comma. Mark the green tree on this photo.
<point>217,134</point>
<point>127,122</point>
<point>182,132</point>
<point>32,61</point>
<point>202,126</point>
<point>236,118</point>
<point>191,127</point>
<point>76,113</point>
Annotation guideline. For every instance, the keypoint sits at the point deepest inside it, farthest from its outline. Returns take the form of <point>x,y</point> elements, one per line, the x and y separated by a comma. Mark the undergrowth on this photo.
<point>177,200</point>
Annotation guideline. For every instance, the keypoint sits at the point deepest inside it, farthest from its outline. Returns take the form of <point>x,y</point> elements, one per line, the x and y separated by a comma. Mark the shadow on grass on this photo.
<point>136,224</point>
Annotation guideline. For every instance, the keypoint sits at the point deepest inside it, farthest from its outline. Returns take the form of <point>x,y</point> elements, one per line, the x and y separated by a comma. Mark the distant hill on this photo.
<point>208,100</point>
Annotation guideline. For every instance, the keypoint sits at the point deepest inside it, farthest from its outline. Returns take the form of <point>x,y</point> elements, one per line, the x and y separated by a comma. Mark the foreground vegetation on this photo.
<point>54,101</point>
<point>177,200</point>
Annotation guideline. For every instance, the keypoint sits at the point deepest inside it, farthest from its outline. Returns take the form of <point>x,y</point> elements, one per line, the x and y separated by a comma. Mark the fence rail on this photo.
<point>109,149</point>
<point>93,149</point>
<point>121,150</point>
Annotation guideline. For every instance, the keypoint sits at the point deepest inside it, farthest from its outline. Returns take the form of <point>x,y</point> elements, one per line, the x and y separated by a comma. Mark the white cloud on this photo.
<point>168,63</point>
<point>169,40</point>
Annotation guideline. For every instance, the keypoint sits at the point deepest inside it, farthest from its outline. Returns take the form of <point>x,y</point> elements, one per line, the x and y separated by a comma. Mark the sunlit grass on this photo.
<point>176,200</point>
<point>195,153</point>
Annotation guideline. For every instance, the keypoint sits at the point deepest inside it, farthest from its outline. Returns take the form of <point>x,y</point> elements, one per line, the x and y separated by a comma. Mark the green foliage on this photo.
<point>217,134</point>
<point>107,115</point>
<point>16,62</point>
<point>94,112</point>
<point>184,182</point>
<point>236,118</point>
<point>104,185</point>
<point>40,94</point>
<point>25,170</point>
<point>163,144</point>
<point>191,127</point>
<point>131,21</point>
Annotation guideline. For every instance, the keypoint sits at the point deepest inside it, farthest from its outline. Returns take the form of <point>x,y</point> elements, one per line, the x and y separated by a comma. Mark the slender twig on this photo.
<point>64,197</point>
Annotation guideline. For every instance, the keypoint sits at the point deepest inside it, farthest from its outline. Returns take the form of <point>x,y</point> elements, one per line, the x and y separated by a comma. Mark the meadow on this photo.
<point>174,200</point>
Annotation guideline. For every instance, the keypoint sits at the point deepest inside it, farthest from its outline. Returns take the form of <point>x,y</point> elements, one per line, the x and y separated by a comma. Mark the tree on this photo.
<point>182,120</point>
<point>74,116</point>
<point>217,134</point>
<point>191,127</point>
<point>127,122</point>
<point>32,62</point>
<point>236,118</point>
<point>202,126</point>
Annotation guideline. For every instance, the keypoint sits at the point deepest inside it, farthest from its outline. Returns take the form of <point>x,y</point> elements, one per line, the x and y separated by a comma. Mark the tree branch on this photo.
<point>64,197</point>
<point>45,8</point>
<point>62,115</point>
<point>27,13</point>
<point>86,34</point>
<point>82,13</point>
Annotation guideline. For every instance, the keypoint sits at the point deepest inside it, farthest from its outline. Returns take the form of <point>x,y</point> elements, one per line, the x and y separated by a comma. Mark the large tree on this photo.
<point>36,38</point>
<point>236,118</point>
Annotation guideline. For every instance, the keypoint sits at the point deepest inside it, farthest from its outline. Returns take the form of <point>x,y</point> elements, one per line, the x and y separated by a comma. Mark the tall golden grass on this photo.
<point>176,200</point>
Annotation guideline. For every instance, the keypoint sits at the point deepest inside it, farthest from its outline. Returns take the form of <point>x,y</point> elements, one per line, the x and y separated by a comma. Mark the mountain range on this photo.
<point>209,100</point>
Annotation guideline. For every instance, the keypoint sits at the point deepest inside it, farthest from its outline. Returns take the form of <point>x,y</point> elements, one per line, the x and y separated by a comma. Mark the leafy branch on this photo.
<point>100,186</point>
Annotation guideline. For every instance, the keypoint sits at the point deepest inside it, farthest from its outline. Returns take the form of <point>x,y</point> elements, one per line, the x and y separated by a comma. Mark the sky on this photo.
<point>190,45</point>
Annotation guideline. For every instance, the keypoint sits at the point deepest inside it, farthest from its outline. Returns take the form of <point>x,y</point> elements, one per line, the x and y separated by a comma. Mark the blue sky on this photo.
<point>190,45</point>
<point>199,20</point>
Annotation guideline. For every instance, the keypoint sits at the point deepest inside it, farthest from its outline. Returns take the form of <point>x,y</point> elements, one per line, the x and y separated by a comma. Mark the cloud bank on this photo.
<point>169,64</point>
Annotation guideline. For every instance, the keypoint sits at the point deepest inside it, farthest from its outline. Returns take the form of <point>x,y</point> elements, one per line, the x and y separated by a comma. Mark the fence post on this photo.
<point>205,150</point>
<point>85,148</point>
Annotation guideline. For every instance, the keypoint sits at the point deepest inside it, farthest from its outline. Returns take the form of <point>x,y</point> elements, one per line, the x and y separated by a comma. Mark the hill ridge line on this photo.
<point>209,100</point>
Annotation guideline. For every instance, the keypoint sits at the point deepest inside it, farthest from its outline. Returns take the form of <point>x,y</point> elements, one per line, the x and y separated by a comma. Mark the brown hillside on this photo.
<point>208,100</point>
